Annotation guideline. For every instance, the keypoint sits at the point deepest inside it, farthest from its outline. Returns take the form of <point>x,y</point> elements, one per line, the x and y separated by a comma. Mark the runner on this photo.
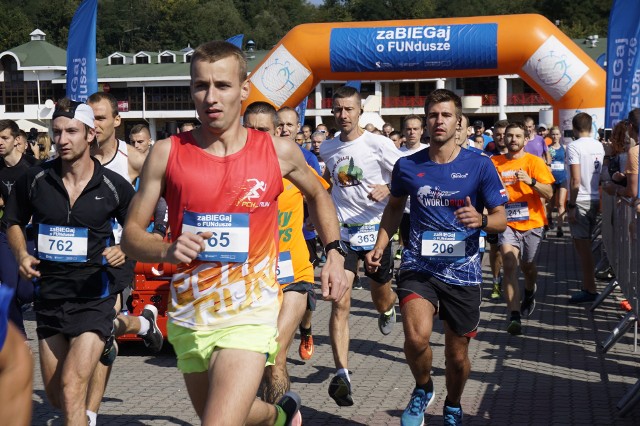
<point>359,164</point>
<point>221,182</point>
<point>527,179</point>
<point>440,270</point>
<point>71,201</point>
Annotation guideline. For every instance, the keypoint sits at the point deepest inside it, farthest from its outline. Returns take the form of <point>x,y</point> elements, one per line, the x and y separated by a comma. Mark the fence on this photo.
<point>620,231</point>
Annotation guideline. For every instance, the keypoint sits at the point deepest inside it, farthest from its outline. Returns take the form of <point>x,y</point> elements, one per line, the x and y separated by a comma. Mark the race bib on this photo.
<point>284,272</point>
<point>557,166</point>
<point>230,239</point>
<point>363,237</point>
<point>439,244</point>
<point>482,241</point>
<point>517,212</point>
<point>62,243</point>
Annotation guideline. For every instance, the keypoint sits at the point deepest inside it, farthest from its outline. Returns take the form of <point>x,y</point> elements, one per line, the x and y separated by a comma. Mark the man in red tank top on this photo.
<point>221,182</point>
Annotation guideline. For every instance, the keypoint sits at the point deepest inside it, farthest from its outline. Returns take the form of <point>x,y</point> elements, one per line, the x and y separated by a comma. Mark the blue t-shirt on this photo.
<point>557,164</point>
<point>437,191</point>
<point>311,160</point>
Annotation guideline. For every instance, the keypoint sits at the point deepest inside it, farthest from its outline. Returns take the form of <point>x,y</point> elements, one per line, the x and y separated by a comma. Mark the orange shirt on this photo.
<point>524,209</point>
<point>294,265</point>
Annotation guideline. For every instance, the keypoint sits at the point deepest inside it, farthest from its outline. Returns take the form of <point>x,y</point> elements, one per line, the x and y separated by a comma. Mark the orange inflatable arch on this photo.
<point>527,45</point>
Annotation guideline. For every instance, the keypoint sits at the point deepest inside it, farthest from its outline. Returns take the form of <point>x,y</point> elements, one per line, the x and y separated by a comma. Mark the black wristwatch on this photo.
<point>485,221</point>
<point>337,245</point>
<point>533,182</point>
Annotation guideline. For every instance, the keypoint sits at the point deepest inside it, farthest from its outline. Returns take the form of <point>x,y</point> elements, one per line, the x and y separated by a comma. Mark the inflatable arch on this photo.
<point>528,45</point>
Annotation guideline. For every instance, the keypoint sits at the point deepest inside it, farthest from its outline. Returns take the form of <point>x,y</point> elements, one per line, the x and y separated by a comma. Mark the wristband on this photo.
<point>485,220</point>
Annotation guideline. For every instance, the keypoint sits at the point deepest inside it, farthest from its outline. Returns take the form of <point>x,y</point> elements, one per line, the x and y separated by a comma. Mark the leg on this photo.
<point>306,319</point>
<point>126,324</point>
<point>510,287</point>
<point>339,326</point>
<point>53,352</point>
<point>583,248</point>
<point>417,322</point>
<point>276,377</point>
<point>383,296</point>
<point>16,378</point>
<point>495,260</point>
<point>458,366</point>
<point>530,273</point>
<point>562,196</point>
<point>79,365</point>
<point>225,395</point>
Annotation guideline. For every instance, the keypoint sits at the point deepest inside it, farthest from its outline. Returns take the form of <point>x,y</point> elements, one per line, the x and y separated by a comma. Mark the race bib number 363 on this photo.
<point>438,244</point>
<point>363,238</point>
<point>230,239</point>
<point>62,243</point>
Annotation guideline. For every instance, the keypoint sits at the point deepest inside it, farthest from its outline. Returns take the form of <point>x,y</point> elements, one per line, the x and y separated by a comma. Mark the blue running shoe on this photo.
<point>414,413</point>
<point>452,416</point>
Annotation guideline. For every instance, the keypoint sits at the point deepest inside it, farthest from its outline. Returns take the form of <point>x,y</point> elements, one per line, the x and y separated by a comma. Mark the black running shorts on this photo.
<point>458,305</point>
<point>384,273</point>
<point>303,287</point>
<point>72,317</point>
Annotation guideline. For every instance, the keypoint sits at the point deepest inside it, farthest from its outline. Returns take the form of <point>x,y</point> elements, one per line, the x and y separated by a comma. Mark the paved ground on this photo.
<point>550,375</point>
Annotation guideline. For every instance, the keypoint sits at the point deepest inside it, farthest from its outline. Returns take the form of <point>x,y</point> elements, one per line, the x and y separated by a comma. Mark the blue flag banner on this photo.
<point>301,109</point>
<point>236,40</point>
<point>82,71</point>
<point>623,61</point>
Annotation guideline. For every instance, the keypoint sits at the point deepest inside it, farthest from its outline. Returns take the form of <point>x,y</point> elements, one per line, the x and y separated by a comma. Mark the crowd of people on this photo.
<point>287,199</point>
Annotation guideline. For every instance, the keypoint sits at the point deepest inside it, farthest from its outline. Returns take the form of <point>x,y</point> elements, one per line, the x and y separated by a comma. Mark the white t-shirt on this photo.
<point>589,154</point>
<point>406,152</point>
<point>353,166</point>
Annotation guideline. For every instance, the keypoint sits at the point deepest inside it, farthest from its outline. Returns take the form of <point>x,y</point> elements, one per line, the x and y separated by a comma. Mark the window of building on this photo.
<point>407,89</point>
<point>117,60</point>
<point>426,87</point>
<point>13,86</point>
<point>142,59</point>
<point>166,59</point>
<point>169,98</point>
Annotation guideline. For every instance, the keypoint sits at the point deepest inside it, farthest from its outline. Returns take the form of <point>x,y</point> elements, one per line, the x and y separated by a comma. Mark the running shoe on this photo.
<point>582,296</point>
<point>340,391</point>
<point>514,328</point>
<point>386,322</point>
<point>356,283</point>
<point>528,303</point>
<point>413,415</point>
<point>290,404</point>
<point>452,416</point>
<point>306,346</point>
<point>496,293</point>
<point>606,274</point>
<point>109,352</point>
<point>153,339</point>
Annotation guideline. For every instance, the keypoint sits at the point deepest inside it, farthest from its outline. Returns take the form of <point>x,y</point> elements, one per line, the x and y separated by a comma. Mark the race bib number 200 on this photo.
<point>230,239</point>
<point>62,243</point>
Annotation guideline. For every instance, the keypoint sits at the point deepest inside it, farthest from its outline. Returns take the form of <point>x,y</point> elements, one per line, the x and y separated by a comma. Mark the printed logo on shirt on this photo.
<point>9,185</point>
<point>435,197</point>
<point>459,175</point>
<point>346,173</point>
<point>256,189</point>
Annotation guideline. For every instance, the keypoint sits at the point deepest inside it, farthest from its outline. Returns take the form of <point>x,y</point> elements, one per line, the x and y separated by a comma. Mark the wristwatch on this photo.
<point>485,220</point>
<point>338,245</point>
<point>533,182</point>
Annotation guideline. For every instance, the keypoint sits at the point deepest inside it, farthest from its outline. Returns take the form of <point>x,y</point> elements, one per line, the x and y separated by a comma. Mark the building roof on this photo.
<point>594,52</point>
<point>37,53</point>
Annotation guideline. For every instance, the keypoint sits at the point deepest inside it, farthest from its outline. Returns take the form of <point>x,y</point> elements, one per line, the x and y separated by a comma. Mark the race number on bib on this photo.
<point>62,243</point>
<point>517,212</point>
<point>443,244</point>
<point>557,166</point>
<point>285,268</point>
<point>230,239</point>
<point>363,238</point>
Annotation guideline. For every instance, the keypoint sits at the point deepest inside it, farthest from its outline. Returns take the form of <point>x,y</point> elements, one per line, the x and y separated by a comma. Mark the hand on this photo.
<point>187,247</point>
<point>27,264</point>
<point>333,279</point>
<point>372,259</point>
<point>618,177</point>
<point>468,215</point>
<point>571,215</point>
<point>114,256</point>
<point>378,192</point>
<point>522,176</point>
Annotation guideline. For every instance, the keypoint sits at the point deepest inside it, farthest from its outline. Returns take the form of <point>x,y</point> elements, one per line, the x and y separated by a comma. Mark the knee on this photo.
<point>341,308</point>
<point>509,262</point>
<point>455,360</point>
<point>416,343</point>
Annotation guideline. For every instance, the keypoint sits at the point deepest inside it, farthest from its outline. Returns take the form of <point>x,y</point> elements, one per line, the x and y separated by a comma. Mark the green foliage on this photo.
<point>155,25</point>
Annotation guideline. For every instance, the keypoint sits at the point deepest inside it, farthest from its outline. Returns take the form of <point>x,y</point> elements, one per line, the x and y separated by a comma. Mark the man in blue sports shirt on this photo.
<point>440,270</point>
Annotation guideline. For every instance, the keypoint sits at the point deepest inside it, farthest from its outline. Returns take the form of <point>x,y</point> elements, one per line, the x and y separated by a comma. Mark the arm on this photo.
<point>321,211</point>
<point>574,183</point>
<point>390,221</point>
<point>544,189</point>
<point>136,161</point>
<point>18,244</point>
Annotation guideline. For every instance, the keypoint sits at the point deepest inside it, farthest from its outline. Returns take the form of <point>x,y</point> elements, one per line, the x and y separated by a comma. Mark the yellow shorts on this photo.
<point>194,348</point>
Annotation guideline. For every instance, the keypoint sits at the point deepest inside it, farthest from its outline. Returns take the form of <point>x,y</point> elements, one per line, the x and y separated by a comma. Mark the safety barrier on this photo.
<point>620,232</point>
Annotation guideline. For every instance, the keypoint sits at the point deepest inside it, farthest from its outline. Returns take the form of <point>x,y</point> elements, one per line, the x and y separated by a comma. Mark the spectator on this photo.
<point>557,154</point>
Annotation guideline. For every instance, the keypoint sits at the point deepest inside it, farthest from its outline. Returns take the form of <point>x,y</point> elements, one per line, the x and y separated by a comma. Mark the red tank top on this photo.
<point>235,197</point>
